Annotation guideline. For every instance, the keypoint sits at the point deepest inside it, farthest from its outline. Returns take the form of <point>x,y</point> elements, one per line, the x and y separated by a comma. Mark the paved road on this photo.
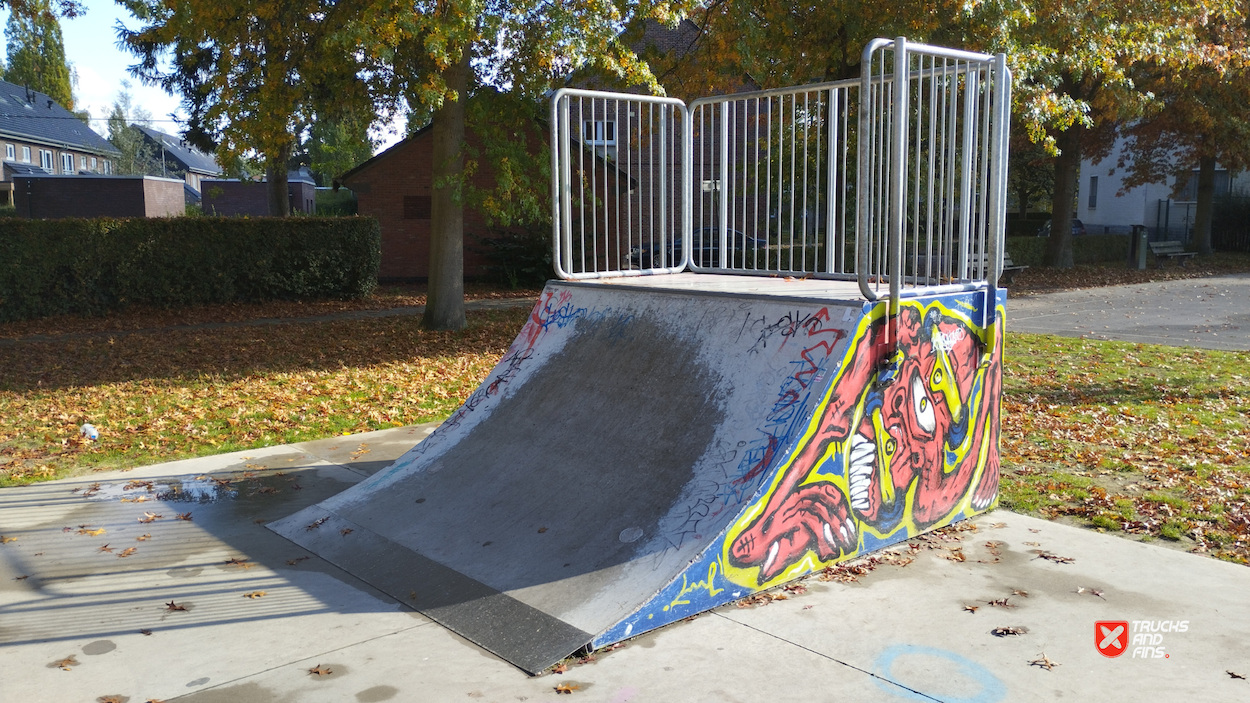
<point>1212,313</point>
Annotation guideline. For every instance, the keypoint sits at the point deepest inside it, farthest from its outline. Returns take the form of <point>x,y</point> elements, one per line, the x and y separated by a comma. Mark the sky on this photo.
<point>91,47</point>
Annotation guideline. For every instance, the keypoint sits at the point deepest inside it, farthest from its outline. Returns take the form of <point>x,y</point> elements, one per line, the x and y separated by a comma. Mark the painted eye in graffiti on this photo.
<point>890,446</point>
<point>922,405</point>
<point>936,378</point>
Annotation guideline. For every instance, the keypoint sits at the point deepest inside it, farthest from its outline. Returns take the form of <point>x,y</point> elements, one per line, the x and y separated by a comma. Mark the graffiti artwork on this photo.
<point>880,463</point>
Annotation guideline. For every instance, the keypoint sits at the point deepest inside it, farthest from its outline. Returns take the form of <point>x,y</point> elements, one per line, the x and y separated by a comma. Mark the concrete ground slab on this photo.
<point>1209,313</point>
<point>899,633</point>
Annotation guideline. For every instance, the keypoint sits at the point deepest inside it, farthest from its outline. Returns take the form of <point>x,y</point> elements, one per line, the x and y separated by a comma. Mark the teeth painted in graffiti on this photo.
<point>881,463</point>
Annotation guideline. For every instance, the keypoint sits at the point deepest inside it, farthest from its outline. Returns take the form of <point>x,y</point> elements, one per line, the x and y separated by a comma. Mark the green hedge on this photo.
<point>90,267</point>
<point>1089,249</point>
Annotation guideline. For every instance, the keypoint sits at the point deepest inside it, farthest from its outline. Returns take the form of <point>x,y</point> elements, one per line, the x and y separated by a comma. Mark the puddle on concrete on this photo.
<point>98,647</point>
<point>198,682</point>
<point>377,694</point>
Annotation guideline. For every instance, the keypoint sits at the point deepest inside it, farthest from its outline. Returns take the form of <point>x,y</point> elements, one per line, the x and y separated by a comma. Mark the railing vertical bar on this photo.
<point>723,188</point>
<point>581,180</point>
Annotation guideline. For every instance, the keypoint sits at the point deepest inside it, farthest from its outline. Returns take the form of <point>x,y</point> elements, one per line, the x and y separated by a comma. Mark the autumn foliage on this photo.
<point>90,267</point>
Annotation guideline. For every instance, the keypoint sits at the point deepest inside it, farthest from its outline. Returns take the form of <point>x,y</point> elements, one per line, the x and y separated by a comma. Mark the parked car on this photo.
<point>1078,229</point>
<point>706,251</point>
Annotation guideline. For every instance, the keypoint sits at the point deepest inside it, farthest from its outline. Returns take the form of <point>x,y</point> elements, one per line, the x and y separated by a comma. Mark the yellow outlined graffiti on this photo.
<point>880,461</point>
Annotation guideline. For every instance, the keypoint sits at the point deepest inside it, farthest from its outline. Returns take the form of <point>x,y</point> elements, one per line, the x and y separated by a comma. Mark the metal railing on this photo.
<point>619,171</point>
<point>770,186</point>
<point>899,184</point>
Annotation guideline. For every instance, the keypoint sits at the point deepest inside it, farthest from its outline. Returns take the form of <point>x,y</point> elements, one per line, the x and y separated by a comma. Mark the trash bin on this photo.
<point>1137,248</point>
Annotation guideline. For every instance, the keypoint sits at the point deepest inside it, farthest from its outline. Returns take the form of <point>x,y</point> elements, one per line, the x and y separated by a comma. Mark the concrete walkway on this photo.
<point>214,607</point>
<point>1211,313</point>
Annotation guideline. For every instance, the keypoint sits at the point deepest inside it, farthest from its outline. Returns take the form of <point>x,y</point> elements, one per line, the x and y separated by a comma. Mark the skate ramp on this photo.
<point>590,488</point>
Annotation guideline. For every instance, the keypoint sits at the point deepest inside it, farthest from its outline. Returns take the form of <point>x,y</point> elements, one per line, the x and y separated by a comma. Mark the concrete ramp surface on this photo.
<point>640,455</point>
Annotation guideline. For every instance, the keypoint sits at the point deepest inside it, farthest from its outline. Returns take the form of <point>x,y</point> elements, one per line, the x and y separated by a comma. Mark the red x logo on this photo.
<point>1111,637</point>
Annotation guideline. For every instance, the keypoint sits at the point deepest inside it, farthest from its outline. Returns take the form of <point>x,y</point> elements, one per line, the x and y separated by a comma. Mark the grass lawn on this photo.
<point>1145,441</point>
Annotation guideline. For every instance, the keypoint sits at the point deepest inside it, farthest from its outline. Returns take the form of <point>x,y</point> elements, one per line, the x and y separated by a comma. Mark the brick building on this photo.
<point>46,196</point>
<point>179,159</point>
<point>38,136</point>
<point>230,197</point>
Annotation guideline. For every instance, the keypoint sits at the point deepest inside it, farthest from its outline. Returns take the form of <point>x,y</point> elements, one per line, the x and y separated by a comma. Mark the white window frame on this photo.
<point>93,164</point>
<point>599,132</point>
<point>82,163</point>
<point>67,162</point>
<point>46,160</point>
<point>108,167</point>
<point>10,152</point>
<point>25,154</point>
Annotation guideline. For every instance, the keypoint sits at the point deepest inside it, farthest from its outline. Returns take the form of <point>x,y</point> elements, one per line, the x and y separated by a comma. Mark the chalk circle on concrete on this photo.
<point>968,681</point>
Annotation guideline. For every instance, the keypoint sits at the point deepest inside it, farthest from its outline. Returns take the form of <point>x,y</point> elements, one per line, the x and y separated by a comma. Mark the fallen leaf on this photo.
<point>65,663</point>
<point>111,699</point>
<point>1033,530</point>
<point>174,607</point>
<point>293,562</point>
<point>92,533</point>
<point>1079,590</point>
<point>1097,592</point>
<point>1008,631</point>
<point>1001,602</point>
<point>320,671</point>
<point>1034,544</point>
<point>183,516</point>
<point>23,577</point>
<point>145,631</point>
<point>296,487</point>
<point>153,700</point>
<point>37,554</point>
<point>143,538</point>
<point>254,594</point>
<point>998,526</point>
<point>795,588</point>
<point>566,688</point>
<point>149,517</point>
<point>972,608</point>
<point>127,552</point>
<point>6,540</point>
<point>317,523</point>
<point>345,531</point>
<point>1053,557</point>
<point>105,548</point>
<point>1044,662</point>
<point>260,521</point>
<point>560,668</point>
<point>1022,594</point>
<point>807,607</point>
<point>1234,675</point>
<point>542,530</point>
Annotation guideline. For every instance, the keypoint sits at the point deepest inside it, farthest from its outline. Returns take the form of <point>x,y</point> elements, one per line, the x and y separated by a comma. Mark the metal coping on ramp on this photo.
<point>641,455</point>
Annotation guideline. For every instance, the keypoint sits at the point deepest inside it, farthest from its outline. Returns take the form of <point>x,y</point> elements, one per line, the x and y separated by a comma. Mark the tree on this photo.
<point>250,74</point>
<point>1075,66</point>
<point>434,54</point>
<point>137,153</point>
<point>1031,171</point>
<point>1202,117</point>
<point>37,52</point>
<point>338,143</point>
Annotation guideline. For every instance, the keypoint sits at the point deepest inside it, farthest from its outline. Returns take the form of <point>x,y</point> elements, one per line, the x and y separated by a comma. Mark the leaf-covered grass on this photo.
<point>1036,279</point>
<point>1148,440</point>
<point>170,394</point>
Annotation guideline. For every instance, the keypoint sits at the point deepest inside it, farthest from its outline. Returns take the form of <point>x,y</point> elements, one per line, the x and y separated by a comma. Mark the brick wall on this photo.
<point>54,197</point>
<point>230,198</point>
<point>403,172</point>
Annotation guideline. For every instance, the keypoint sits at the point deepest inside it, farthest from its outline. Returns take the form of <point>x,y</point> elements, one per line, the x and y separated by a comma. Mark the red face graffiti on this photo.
<point>909,452</point>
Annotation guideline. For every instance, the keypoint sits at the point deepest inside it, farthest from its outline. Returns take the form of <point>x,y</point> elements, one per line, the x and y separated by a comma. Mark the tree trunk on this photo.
<point>1023,196</point>
<point>276,183</point>
<point>444,302</point>
<point>1067,170</point>
<point>1206,204</point>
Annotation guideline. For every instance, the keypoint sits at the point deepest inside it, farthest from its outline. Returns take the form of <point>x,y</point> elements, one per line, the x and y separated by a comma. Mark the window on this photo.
<point>25,154</point>
<point>599,132</point>
<point>108,166</point>
<point>10,153</point>
<point>1093,192</point>
<point>93,165</point>
<point>416,207</point>
<point>45,159</point>
<point>82,163</point>
<point>67,163</point>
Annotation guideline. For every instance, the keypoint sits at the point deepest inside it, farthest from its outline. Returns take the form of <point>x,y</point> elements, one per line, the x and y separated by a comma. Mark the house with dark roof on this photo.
<point>39,136</point>
<point>179,159</point>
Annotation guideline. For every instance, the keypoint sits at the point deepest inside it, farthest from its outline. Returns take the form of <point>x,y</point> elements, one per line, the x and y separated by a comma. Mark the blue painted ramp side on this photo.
<point>872,466</point>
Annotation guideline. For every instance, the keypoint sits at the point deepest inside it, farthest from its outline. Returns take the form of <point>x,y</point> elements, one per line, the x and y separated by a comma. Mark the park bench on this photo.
<point>1169,250</point>
<point>1010,269</point>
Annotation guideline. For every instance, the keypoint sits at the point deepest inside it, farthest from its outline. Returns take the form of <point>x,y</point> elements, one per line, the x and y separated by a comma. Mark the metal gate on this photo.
<point>897,179</point>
